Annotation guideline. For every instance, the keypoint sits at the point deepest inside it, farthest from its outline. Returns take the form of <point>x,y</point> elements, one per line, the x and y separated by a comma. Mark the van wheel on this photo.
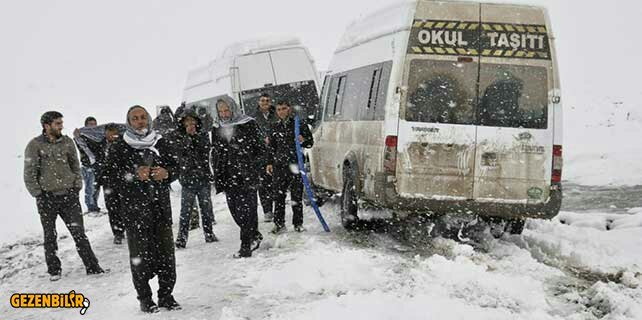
<point>498,226</point>
<point>349,204</point>
<point>515,226</point>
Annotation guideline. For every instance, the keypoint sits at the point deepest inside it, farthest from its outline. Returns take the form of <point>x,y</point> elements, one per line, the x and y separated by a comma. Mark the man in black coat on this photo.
<point>195,176</point>
<point>265,117</point>
<point>107,177</point>
<point>238,149</point>
<point>145,166</point>
<point>282,164</point>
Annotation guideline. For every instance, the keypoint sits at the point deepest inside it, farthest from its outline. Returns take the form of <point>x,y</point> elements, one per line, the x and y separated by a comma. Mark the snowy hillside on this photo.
<point>602,144</point>
<point>567,268</point>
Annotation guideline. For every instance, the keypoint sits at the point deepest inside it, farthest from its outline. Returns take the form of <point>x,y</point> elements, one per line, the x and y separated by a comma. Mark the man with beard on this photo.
<point>144,166</point>
<point>238,148</point>
<point>52,176</point>
<point>195,176</point>
<point>265,118</point>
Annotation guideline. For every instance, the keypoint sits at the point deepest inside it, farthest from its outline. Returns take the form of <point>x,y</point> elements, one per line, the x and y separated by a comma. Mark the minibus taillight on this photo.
<point>390,155</point>
<point>557,164</point>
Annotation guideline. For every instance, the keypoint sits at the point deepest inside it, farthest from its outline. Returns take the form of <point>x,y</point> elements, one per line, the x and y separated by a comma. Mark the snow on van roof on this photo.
<point>225,59</point>
<point>391,19</point>
<point>258,44</point>
<point>394,18</point>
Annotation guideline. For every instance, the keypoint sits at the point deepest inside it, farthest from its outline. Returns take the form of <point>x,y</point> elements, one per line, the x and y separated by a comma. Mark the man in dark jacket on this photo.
<point>195,176</point>
<point>52,176</point>
<point>238,148</point>
<point>265,117</point>
<point>282,164</point>
<point>107,177</point>
<point>89,157</point>
<point>164,122</point>
<point>144,166</point>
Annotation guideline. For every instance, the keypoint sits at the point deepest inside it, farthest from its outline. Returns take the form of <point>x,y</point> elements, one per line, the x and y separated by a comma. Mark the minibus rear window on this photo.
<point>441,92</point>
<point>301,95</point>
<point>513,96</point>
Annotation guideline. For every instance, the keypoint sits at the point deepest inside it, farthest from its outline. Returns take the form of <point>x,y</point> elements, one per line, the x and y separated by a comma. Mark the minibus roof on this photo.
<point>392,19</point>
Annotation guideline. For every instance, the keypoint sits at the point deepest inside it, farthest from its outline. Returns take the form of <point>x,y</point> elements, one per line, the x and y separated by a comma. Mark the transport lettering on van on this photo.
<point>479,39</point>
<point>423,129</point>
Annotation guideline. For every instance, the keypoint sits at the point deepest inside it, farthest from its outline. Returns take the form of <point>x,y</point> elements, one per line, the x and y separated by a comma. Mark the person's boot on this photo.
<point>55,277</point>
<point>210,238</point>
<point>169,303</point>
<point>257,241</point>
<point>95,270</point>
<point>148,306</point>
<point>244,252</point>
<point>279,229</point>
<point>299,228</point>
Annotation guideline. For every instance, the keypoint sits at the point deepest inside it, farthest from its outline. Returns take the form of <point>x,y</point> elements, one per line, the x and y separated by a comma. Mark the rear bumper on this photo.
<point>545,210</point>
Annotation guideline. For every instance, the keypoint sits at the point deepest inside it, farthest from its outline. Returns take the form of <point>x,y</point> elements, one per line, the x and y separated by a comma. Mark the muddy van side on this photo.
<point>444,107</point>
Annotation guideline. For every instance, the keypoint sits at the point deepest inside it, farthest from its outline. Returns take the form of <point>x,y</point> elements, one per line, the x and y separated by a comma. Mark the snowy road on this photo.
<point>569,268</point>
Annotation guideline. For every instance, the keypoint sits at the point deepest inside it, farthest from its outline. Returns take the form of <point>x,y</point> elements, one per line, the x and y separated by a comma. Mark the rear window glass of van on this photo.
<point>301,95</point>
<point>513,96</point>
<point>441,92</point>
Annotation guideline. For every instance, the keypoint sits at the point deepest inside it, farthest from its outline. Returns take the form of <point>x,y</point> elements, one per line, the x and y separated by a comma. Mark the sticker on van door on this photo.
<point>461,38</point>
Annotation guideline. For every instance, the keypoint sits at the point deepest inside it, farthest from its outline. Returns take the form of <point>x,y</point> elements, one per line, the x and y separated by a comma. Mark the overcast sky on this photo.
<point>99,57</point>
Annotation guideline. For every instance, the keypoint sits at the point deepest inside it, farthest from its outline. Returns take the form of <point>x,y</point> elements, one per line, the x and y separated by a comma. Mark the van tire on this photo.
<point>499,226</point>
<point>515,226</point>
<point>349,204</point>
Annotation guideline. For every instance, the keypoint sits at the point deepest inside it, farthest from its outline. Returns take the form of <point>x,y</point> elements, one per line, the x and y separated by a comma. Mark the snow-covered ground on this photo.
<point>576,266</point>
<point>584,264</point>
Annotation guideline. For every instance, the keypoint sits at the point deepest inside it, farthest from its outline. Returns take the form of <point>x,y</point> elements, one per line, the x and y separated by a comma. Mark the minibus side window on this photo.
<point>323,103</point>
<point>441,92</point>
<point>513,96</point>
<point>382,88</point>
<point>331,99</point>
<point>338,96</point>
<point>355,94</point>
<point>374,88</point>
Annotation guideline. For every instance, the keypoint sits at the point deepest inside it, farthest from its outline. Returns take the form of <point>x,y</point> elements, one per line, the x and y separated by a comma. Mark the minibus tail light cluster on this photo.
<point>557,164</point>
<point>390,155</point>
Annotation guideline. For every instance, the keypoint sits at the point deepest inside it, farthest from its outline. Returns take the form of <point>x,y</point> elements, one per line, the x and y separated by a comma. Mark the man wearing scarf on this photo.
<point>144,167</point>
<point>238,151</point>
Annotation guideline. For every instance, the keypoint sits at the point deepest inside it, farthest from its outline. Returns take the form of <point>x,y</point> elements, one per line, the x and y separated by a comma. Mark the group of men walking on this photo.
<point>135,164</point>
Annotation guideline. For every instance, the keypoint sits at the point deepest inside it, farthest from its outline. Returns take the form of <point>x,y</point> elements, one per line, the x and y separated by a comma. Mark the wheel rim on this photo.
<point>347,203</point>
